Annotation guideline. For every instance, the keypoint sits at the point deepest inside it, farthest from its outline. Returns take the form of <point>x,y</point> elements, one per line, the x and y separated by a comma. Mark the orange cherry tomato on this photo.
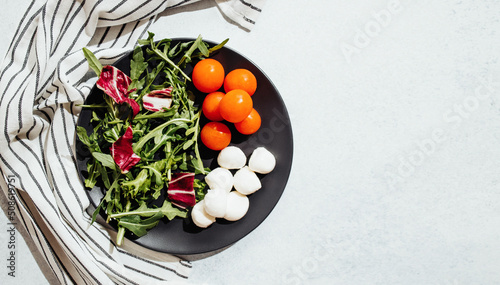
<point>210,106</point>
<point>215,135</point>
<point>208,75</point>
<point>235,106</point>
<point>240,79</point>
<point>250,124</point>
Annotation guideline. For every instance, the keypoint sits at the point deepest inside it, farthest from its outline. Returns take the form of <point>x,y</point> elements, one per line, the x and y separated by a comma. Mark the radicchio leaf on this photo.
<point>158,100</point>
<point>122,152</point>
<point>115,84</point>
<point>180,190</point>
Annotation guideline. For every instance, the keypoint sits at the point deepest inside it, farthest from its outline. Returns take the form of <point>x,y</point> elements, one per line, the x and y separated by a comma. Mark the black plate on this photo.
<point>181,236</point>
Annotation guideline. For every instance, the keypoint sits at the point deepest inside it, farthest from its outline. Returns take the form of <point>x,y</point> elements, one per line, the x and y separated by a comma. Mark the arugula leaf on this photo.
<point>165,57</point>
<point>105,159</point>
<point>171,212</point>
<point>93,61</point>
<point>94,170</point>
<point>199,188</point>
<point>137,68</point>
<point>147,41</point>
<point>139,226</point>
<point>156,169</point>
<point>156,132</point>
<point>143,210</point>
<point>82,135</point>
<point>139,184</point>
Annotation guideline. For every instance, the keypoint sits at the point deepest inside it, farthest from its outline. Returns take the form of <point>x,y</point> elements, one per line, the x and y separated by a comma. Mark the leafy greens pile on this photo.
<point>166,141</point>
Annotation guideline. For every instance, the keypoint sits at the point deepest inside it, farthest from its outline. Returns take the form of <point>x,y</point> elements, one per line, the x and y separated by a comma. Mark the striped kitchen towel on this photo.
<point>42,82</point>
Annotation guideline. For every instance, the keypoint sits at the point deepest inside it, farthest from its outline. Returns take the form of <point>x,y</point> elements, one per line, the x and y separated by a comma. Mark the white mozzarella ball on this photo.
<point>220,178</point>
<point>216,202</point>
<point>200,216</point>
<point>232,157</point>
<point>262,161</point>
<point>237,206</point>
<point>246,181</point>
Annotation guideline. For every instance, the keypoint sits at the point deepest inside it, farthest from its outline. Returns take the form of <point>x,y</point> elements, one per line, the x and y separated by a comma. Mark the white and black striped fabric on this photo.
<point>41,84</point>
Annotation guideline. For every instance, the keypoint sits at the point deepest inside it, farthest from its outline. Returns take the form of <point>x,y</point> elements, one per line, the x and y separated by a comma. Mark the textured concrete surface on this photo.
<point>395,112</point>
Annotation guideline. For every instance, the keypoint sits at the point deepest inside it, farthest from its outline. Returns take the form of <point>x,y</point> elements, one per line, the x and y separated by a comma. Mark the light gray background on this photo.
<point>396,119</point>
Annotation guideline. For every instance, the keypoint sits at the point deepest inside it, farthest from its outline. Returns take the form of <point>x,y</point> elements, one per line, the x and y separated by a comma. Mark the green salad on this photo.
<point>145,136</point>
